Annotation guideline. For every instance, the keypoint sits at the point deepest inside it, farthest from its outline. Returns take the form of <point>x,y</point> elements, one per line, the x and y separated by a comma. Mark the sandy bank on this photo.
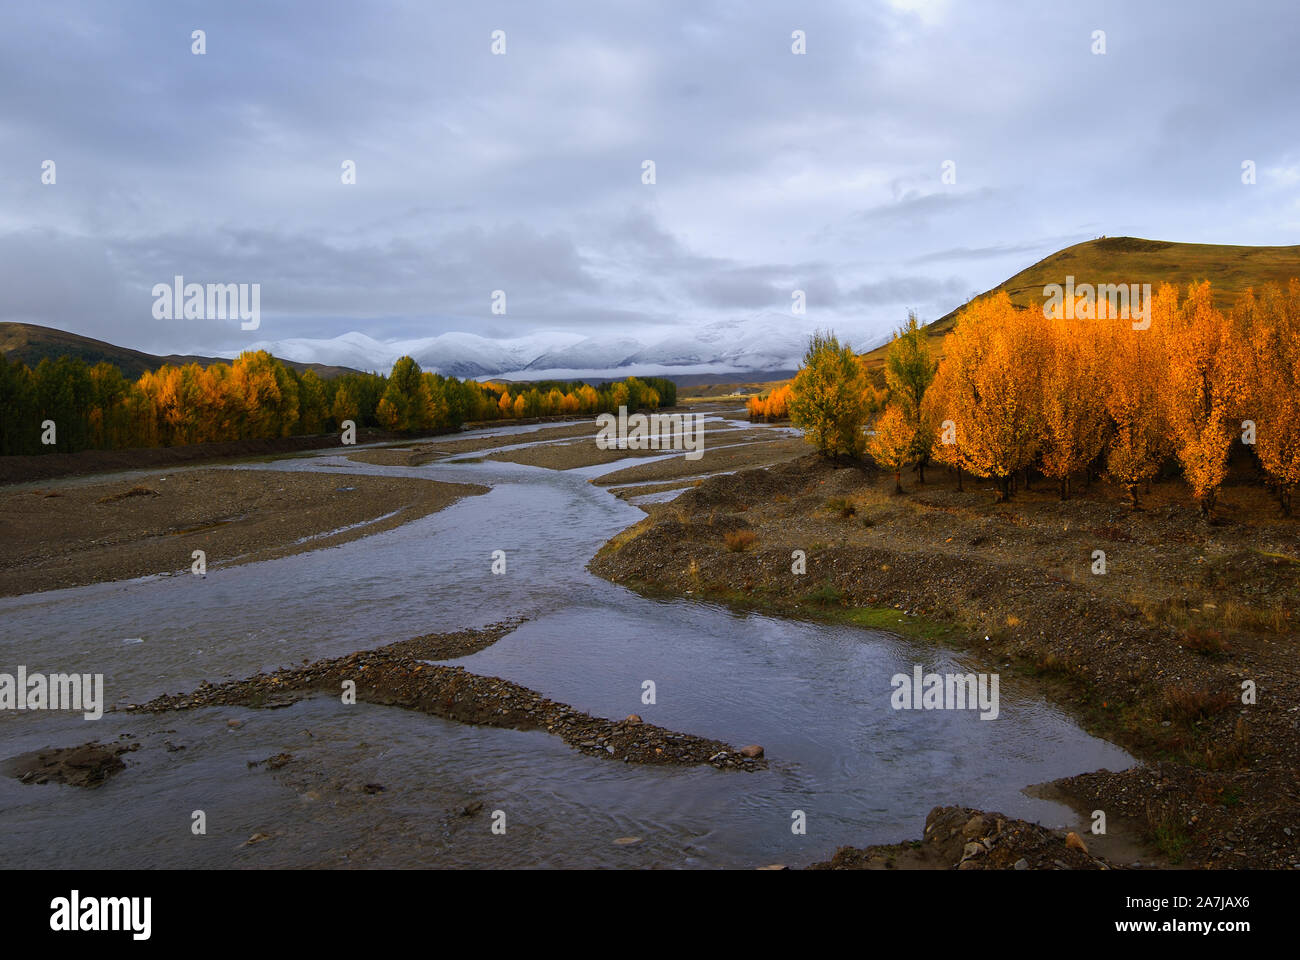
<point>80,533</point>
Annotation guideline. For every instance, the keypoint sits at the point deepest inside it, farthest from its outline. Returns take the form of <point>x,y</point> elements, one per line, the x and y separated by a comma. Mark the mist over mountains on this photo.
<point>768,341</point>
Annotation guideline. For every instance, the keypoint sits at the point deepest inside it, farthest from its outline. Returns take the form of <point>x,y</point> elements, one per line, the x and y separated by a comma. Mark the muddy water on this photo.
<point>816,697</point>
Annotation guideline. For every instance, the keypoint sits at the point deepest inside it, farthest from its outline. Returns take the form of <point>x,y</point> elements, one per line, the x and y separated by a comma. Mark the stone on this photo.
<point>1022,864</point>
<point>753,751</point>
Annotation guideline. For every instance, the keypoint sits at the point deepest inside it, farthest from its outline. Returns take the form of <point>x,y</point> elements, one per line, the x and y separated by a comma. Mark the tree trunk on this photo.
<point>1207,505</point>
<point>898,480</point>
<point>959,486</point>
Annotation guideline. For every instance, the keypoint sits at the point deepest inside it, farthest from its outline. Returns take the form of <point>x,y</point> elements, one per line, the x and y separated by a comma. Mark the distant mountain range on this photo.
<point>744,346</point>
<point>762,348</point>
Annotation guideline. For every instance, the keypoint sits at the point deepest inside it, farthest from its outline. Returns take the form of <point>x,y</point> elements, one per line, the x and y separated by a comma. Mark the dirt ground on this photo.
<point>1152,654</point>
<point>74,534</point>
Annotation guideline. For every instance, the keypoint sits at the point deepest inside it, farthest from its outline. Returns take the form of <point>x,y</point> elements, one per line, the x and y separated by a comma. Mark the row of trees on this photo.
<point>1070,396</point>
<point>772,405</point>
<point>256,396</point>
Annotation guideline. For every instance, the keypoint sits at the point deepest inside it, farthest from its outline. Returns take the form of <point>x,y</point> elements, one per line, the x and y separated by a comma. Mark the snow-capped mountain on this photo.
<point>452,354</point>
<point>765,342</point>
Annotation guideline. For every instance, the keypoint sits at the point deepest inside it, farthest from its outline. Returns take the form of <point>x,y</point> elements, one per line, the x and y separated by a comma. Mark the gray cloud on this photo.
<point>474,173</point>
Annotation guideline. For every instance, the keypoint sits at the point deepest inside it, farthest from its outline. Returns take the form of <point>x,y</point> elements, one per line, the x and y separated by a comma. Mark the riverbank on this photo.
<point>1151,655</point>
<point>81,533</point>
<point>49,466</point>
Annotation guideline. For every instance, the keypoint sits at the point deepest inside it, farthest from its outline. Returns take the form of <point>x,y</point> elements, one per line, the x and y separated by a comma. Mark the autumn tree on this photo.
<point>1139,434</point>
<point>893,443</point>
<point>909,371</point>
<point>269,392</point>
<point>946,445</point>
<point>1201,386</point>
<point>771,405</point>
<point>1075,422</point>
<point>345,406</point>
<point>994,388</point>
<point>828,398</point>
<point>406,405</point>
<point>1268,330</point>
<point>311,403</point>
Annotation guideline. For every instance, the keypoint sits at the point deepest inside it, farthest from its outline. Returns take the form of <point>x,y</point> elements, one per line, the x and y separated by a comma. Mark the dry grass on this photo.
<point>738,540</point>
<point>1189,704</point>
<point>842,506</point>
<point>1225,756</point>
<point>1205,641</point>
<point>1239,616</point>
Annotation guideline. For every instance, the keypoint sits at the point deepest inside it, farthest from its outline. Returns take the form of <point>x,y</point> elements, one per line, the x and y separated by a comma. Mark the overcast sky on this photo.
<point>523,172</point>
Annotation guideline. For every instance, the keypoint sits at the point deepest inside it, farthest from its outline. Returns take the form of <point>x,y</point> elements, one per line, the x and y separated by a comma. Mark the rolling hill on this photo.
<point>1230,269</point>
<point>31,343</point>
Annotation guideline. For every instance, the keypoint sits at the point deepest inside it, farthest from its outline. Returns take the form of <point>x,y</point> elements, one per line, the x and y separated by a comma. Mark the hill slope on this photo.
<point>1230,269</point>
<point>31,343</point>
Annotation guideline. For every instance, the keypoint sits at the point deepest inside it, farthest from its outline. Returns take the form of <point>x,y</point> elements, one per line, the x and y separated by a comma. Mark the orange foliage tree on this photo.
<point>992,389</point>
<point>1269,327</point>
<point>1202,385</point>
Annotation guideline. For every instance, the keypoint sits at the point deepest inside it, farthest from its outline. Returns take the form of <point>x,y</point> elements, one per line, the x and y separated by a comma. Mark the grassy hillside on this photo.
<point>31,344</point>
<point>1229,269</point>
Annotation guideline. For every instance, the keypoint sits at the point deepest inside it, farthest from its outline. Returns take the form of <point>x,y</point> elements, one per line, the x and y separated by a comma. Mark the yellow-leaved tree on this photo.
<point>992,391</point>
<point>1269,330</point>
<point>1202,386</point>
<point>1074,409</point>
<point>893,444</point>
<point>909,371</point>
<point>829,398</point>
<point>1140,440</point>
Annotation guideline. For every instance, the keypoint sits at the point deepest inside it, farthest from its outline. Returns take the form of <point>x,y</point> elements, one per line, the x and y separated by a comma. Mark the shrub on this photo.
<point>738,540</point>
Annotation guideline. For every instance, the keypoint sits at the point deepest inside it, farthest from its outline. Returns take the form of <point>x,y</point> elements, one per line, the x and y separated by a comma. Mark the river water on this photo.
<point>817,697</point>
